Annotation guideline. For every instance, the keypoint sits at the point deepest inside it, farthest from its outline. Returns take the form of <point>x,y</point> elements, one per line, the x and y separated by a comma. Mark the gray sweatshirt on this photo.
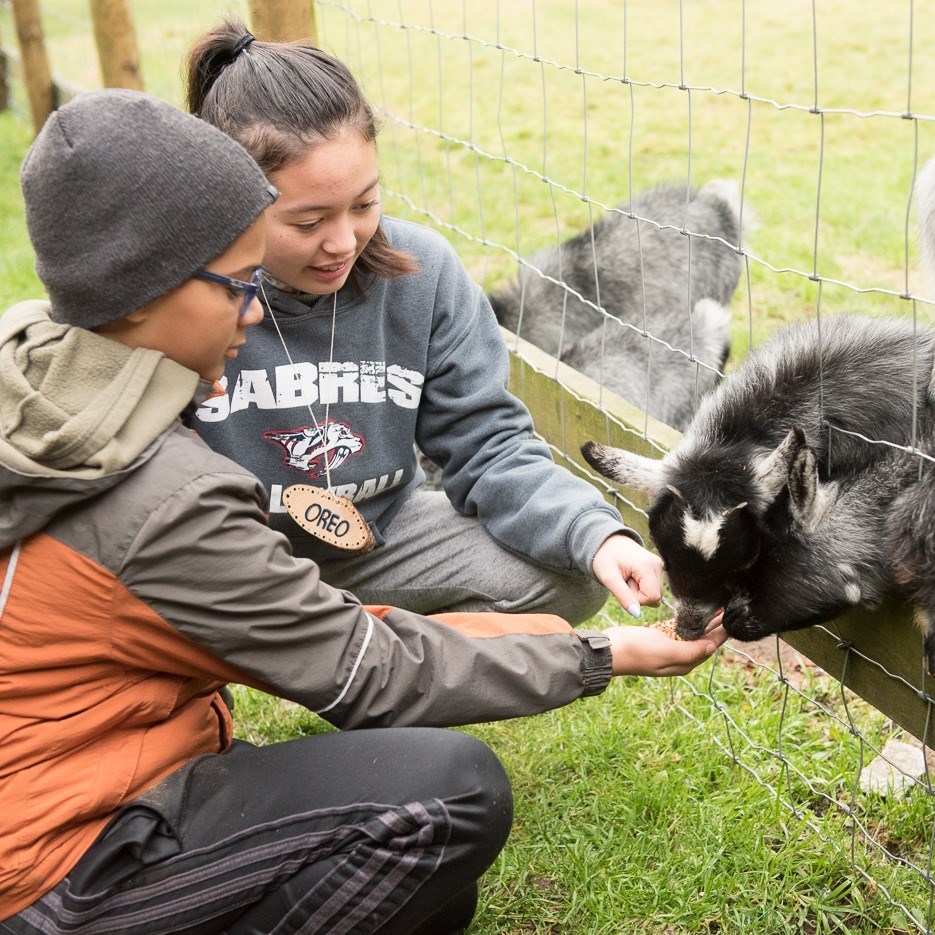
<point>416,360</point>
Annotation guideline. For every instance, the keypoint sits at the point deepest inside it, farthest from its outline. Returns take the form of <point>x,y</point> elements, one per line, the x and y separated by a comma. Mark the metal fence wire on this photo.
<point>512,127</point>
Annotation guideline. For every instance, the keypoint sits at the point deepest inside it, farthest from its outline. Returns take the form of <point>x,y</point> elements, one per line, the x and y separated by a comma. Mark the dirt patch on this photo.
<point>789,661</point>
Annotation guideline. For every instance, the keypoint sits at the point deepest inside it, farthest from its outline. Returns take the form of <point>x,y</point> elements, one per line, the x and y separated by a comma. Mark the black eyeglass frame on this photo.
<point>249,289</point>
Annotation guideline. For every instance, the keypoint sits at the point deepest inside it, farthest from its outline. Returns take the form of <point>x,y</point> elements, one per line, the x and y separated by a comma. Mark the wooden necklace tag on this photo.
<point>328,517</point>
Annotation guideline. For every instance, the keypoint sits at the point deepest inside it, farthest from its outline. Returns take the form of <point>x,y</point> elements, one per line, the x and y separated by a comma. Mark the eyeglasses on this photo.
<point>249,289</point>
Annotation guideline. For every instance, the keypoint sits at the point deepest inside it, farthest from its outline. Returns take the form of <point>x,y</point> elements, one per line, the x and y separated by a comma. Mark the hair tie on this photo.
<point>242,43</point>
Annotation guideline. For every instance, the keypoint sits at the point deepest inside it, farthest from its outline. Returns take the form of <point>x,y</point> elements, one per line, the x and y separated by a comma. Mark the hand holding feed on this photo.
<point>649,651</point>
<point>631,573</point>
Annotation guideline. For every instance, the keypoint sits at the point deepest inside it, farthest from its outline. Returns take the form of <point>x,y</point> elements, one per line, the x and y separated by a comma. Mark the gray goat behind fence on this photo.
<point>639,301</point>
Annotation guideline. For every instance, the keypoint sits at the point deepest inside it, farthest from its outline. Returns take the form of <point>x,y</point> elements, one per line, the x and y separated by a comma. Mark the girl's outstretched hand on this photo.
<point>644,651</point>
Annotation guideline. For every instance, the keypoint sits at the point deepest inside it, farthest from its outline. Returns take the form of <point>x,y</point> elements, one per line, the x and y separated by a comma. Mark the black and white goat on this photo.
<point>665,283</point>
<point>766,509</point>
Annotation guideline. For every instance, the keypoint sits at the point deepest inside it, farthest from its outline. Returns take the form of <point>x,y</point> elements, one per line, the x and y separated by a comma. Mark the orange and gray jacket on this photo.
<point>138,576</point>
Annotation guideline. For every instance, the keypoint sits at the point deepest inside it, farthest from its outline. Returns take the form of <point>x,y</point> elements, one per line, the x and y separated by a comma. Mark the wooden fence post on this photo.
<point>117,51</point>
<point>36,72</point>
<point>4,79</point>
<point>276,20</point>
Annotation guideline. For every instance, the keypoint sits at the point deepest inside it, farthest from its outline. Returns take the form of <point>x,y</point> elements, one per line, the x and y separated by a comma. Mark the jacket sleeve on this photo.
<point>206,562</point>
<point>482,437</point>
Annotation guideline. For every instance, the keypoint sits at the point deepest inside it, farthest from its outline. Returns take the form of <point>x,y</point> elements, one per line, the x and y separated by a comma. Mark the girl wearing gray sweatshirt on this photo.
<point>376,341</point>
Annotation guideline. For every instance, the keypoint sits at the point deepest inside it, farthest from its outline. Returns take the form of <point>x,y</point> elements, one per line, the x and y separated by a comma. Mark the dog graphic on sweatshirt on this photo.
<point>310,448</point>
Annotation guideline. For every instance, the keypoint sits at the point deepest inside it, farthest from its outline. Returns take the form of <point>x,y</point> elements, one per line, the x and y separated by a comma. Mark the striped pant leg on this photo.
<point>367,831</point>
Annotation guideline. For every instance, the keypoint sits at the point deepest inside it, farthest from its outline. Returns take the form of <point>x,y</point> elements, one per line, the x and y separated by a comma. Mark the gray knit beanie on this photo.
<point>127,197</point>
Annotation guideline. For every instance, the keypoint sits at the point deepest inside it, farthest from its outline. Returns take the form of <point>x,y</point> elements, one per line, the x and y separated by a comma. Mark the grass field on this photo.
<point>596,139</point>
<point>592,135</point>
<point>644,811</point>
<point>631,819</point>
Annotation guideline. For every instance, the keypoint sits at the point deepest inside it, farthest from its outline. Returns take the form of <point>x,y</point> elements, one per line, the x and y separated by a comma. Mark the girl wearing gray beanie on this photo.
<point>138,576</point>
<point>377,342</point>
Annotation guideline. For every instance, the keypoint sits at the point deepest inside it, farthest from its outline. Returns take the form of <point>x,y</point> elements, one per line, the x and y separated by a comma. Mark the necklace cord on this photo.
<point>282,340</point>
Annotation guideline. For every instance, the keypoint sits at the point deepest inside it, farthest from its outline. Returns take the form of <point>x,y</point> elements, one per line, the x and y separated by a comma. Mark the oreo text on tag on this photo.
<point>328,517</point>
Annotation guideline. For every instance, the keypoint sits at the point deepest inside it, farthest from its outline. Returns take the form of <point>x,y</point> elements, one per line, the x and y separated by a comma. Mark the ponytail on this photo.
<point>278,100</point>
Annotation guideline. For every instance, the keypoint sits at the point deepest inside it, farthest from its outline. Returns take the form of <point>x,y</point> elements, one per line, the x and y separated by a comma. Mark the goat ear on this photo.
<point>676,493</point>
<point>773,471</point>
<point>803,482</point>
<point>625,467</point>
<point>809,498</point>
<point>735,509</point>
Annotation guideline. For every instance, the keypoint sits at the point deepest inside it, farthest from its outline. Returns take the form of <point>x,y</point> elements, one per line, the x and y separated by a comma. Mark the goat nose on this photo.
<point>691,620</point>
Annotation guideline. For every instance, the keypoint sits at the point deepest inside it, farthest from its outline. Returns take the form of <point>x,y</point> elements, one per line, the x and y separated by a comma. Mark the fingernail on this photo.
<point>634,610</point>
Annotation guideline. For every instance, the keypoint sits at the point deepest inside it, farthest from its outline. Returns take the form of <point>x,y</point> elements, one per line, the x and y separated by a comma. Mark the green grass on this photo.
<point>630,818</point>
<point>647,811</point>
<point>17,276</point>
<point>642,811</point>
<point>605,137</point>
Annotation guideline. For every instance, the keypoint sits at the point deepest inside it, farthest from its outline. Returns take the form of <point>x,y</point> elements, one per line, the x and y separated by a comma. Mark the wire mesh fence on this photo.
<point>514,128</point>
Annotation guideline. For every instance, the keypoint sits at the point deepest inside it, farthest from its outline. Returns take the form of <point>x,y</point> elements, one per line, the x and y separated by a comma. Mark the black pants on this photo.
<point>366,831</point>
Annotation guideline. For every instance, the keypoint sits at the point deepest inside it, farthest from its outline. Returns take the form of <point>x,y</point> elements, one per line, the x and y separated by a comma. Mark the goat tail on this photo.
<point>711,331</point>
<point>727,192</point>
